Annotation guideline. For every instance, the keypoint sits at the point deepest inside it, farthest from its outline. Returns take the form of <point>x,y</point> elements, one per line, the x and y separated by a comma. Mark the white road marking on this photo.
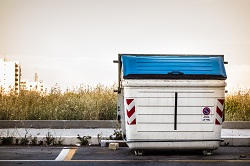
<point>66,154</point>
<point>196,161</point>
<point>62,154</point>
<point>25,160</point>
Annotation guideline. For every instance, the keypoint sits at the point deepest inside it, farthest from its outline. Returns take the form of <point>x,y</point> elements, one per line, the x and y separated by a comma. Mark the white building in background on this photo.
<point>35,85</point>
<point>10,76</point>
<point>10,79</point>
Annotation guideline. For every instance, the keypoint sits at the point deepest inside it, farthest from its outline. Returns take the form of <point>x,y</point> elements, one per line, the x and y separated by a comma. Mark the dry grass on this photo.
<point>237,106</point>
<point>98,103</point>
<point>82,104</point>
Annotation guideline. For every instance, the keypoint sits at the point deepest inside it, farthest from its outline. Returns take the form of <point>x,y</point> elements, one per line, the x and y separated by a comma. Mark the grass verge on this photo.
<point>98,103</point>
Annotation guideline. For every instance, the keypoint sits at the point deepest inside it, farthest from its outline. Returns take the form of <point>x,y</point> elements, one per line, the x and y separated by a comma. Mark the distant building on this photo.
<point>10,76</point>
<point>35,85</point>
<point>23,85</point>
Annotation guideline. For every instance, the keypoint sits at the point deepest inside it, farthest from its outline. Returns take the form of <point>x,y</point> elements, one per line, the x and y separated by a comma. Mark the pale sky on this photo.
<point>73,42</point>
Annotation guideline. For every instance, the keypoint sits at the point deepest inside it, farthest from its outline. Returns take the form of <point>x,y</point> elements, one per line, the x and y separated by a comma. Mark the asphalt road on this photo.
<point>95,156</point>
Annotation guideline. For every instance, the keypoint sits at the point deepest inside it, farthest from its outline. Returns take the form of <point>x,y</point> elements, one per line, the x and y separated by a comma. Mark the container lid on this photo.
<point>173,67</point>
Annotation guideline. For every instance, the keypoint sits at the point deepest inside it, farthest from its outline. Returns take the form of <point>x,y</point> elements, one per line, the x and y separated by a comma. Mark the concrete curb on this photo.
<point>74,124</point>
<point>85,125</point>
<point>66,140</point>
<point>236,125</point>
<point>58,124</point>
<point>73,141</point>
<point>232,137</point>
<point>236,141</point>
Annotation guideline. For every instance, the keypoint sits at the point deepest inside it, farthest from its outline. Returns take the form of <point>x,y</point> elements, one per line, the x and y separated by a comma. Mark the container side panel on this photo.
<point>168,118</point>
<point>145,110</point>
<point>193,110</point>
<point>155,119</point>
<point>155,102</point>
<point>170,135</point>
<point>195,119</point>
<point>196,102</point>
<point>169,128</point>
<point>155,109</point>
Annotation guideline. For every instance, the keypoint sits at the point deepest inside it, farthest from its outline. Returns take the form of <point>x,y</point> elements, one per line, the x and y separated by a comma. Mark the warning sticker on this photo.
<point>206,117</point>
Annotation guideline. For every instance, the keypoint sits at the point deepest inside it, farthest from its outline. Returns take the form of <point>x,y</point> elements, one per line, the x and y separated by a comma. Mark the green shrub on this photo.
<point>117,135</point>
<point>84,140</point>
<point>33,141</point>
<point>7,140</point>
<point>49,139</point>
<point>24,141</point>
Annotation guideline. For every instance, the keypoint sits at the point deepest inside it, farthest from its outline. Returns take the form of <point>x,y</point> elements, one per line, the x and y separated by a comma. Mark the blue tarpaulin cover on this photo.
<point>173,65</point>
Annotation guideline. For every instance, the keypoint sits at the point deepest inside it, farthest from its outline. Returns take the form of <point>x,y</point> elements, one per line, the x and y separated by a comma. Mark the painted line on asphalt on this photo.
<point>27,160</point>
<point>66,154</point>
<point>70,154</point>
<point>62,154</point>
<point>196,161</point>
<point>201,161</point>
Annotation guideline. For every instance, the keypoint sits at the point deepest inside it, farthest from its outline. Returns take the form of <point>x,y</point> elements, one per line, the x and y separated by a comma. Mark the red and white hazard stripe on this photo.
<point>130,111</point>
<point>219,111</point>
